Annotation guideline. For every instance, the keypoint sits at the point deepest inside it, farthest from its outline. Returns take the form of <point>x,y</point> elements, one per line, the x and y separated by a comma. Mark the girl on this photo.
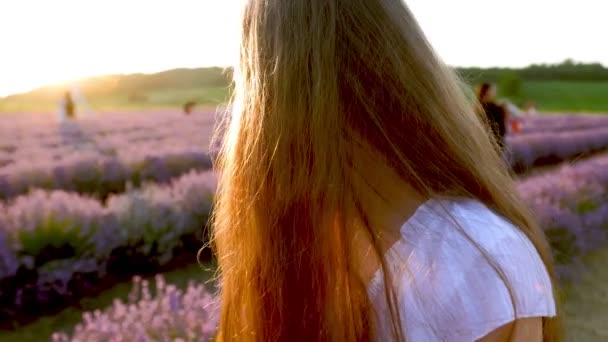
<point>359,196</point>
<point>496,114</point>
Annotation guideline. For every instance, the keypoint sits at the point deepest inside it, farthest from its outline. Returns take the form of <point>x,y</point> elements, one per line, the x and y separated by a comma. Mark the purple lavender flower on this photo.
<point>146,320</point>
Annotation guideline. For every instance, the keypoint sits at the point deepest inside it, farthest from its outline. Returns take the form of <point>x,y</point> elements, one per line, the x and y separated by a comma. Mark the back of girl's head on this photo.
<point>319,83</point>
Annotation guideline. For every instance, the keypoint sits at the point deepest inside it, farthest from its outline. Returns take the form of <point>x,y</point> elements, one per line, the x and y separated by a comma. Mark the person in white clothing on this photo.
<point>360,197</point>
<point>61,114</point>
<point>65,107</point>
<point>531,108</point>
<point>514,115</point>
<point>81,102</point>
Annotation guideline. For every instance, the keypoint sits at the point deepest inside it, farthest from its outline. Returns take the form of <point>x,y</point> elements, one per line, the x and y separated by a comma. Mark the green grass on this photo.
<point>586,306</point>
<point>43,328</point>
<point>170,98</point>
<point>565,96</point>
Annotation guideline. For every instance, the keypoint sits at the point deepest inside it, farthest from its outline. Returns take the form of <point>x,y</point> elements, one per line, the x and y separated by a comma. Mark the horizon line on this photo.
<point>47,85</point>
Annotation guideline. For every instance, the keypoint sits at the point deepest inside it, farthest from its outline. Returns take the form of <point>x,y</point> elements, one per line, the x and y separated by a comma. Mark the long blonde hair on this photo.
<point>315,76</point>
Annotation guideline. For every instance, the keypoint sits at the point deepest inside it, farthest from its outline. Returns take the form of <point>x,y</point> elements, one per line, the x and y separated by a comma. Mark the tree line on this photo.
<point>565,71</point>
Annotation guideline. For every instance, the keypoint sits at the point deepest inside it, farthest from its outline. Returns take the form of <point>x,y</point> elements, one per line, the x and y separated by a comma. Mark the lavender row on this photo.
<point>529,150</point>
<point>571,204</point>
<point>41,169</point>
<point>572,197</point>
<point>48,239</point>
<point>166,314</point>
<point>559,123</point>
<point>37,137</point>
<point>17,140</point>
<point>95,174</point>
<point>72,138</point>
<point>101,176</point>
<point>24,126</point>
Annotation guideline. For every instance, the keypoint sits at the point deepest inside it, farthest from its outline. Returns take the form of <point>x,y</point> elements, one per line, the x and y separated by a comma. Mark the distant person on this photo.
<point>69,107</point>
<point>80,101</point>
<point>61,116</point>
<point>496,114</point>
<point>65,107</point>
<point>531,108</point>
<point>358,199</point>
<point>188,107</point>
<point>512,109</point>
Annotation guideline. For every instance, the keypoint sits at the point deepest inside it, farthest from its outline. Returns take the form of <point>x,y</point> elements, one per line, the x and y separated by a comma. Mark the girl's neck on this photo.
<point>388,202</point>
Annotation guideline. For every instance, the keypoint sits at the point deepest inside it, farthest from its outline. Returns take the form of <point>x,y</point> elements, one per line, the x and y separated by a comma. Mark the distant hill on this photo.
<point>167,88</point>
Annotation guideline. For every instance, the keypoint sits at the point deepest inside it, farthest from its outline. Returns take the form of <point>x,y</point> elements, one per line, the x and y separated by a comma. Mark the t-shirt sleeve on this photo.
<point>478,279</point>
<point>498,277</point>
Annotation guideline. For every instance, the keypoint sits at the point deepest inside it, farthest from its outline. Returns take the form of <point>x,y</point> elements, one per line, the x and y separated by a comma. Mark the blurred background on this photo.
<point>106,113</point>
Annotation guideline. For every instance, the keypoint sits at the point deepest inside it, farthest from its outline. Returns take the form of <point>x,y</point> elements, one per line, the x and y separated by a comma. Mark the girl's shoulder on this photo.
<point>469,242</point>
<point>466,270</point>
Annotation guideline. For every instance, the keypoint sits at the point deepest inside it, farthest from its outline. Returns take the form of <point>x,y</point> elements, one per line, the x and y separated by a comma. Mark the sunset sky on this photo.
<point>47,41</point>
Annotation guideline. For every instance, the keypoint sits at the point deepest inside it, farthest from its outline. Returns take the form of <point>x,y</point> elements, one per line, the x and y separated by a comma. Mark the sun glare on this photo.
<point>62,40</point>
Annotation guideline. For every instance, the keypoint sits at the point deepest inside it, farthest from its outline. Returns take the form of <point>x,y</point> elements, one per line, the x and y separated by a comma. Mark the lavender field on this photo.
<point>93,202</point>
<point>101,155</point>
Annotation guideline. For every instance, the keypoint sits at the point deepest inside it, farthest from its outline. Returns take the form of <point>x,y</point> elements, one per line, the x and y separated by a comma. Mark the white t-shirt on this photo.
<point>446,289</point>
